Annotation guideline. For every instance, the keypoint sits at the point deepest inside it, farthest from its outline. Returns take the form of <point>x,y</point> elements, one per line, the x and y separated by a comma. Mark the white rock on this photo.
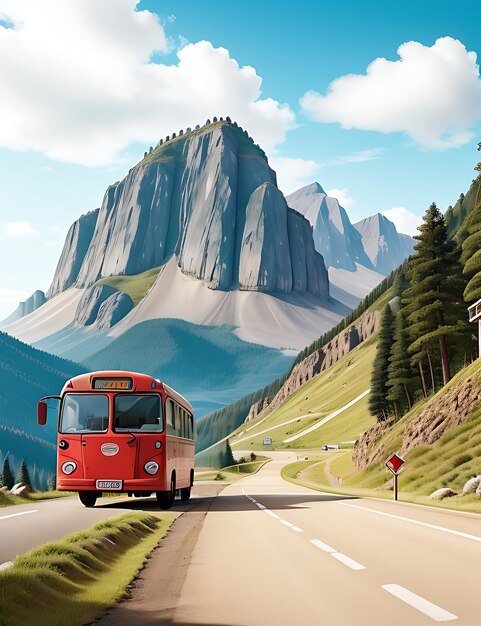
<point>472,485</point>
<point>444,492</point>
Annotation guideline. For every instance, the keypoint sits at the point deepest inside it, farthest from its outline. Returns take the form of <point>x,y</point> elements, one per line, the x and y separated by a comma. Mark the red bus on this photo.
<point>122,431</point>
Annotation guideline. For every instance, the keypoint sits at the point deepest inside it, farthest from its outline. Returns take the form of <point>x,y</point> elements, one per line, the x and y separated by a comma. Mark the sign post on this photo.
<point>394,464</point>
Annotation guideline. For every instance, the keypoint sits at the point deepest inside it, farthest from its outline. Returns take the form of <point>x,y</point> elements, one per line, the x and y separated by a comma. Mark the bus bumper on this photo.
<point>136,484</point>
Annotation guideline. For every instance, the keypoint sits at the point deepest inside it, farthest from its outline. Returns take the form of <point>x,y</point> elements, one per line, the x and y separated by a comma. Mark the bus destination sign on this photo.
<point>123,384</point>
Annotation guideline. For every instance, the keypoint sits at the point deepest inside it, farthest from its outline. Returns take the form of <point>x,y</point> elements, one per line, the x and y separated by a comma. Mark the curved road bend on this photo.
<point>268,552</point>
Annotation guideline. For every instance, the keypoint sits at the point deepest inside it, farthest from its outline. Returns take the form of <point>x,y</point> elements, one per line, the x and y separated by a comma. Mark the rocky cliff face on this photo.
<point>73,254</point>
<point>385,247</point>
<point>447,410</point>
<point>322,359</point>
<point>334,235</point>
<point>24,308</point>
<point>210,198</point>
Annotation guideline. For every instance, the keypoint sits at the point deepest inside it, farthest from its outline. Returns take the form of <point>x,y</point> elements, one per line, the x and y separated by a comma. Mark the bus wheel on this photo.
<point>88,498</point>
<point>166,498</point>
<point>185,494</point>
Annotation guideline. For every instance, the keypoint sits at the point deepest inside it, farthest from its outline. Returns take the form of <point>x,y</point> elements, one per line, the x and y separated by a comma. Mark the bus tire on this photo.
<point>185,494</point>
<point>88,498</point>
<point>166,498</point>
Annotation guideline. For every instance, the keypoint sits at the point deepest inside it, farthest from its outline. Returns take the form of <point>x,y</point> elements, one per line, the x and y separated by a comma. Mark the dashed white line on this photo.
<point>286,523</point>
<point>261,506</point>
<point>296,529</point>
<point>414,521</point>
<point>347,561</point>
<point>17,514</point>
<point>428,608</point>
<point>322,546</point>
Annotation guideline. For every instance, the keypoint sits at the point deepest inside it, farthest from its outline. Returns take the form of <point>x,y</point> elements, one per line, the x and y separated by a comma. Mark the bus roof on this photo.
<point>140,382</point>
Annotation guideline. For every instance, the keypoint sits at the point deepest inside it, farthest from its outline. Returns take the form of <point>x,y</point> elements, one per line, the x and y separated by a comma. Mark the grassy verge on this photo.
<point>233,472</point>
<point>73,580</point>
<point>36,495</point>
<point>311,474</point>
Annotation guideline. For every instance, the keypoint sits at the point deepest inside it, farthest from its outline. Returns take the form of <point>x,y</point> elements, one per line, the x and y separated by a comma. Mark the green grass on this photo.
<point>73,580</point>
<point>328,391</point>
<point>233,472</point>
<point>135,286</point>
<point>6,500</point>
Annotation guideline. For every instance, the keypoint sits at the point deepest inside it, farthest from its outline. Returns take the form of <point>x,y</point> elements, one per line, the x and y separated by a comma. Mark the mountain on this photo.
<point>197,233</point>
<point>25,308</point>
<point>334,235</point>
<point>27,375</point>
<point>384,246</point>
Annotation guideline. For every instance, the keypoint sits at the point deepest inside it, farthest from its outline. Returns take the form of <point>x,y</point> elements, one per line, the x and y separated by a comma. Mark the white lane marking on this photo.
<point>347,561</point>
<point>6,565</point>
<point>274,515</point>
<point>458,533</point>
<point>322,546</point>
<point>327,419</point>
<point>17,514</point>
<point>286,523</point>
<point>428,608</point>
<point>261,506</point>
<point>296,529</point>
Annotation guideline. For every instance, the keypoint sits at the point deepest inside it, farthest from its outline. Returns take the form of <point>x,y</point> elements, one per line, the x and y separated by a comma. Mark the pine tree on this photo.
<point>378,402</point>
<point>400,380</point>
<point>471,255</point>
<point>434,303</point>
<point>7,475</point>
<point>228,456</point>
<point>23,475</point>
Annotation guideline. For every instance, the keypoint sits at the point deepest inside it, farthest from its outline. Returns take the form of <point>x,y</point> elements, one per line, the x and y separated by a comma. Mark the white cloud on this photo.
<point>433,94</point>
<point>292,174</point>
<point>79,83</point>
<point>370,154</point>
<point>343,197</point>
<point>18,230</point>
<point>12,296</point>
<point>405,221</point>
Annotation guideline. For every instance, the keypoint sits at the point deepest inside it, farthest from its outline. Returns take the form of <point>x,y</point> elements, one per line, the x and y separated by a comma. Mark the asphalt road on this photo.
<point>268,552</point>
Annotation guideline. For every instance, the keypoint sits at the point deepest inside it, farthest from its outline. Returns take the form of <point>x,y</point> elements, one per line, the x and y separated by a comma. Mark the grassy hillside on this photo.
<point>206,363</point>
<point>327,392</point>
<point>135,286</point>
<point>28,374</point>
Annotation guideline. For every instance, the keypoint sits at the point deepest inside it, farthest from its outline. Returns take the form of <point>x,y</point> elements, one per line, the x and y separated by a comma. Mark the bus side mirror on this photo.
<point>42,413</point>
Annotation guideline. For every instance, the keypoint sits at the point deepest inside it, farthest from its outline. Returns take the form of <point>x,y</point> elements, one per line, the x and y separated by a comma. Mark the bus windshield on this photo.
<point>135,413</point>
<point>85,413</point>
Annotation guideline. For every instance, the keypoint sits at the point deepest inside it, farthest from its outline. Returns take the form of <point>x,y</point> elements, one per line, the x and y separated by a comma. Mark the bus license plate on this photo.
<point>109,484</point>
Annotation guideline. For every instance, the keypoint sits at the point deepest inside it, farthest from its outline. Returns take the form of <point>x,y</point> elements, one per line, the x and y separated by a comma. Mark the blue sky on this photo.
<point>70,125</point>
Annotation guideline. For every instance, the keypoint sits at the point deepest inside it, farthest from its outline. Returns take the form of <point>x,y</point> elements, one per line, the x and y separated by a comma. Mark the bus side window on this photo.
<point>169,416</point>
<point>177,425</point>
<point>190,421</point>
<point>184,424</point>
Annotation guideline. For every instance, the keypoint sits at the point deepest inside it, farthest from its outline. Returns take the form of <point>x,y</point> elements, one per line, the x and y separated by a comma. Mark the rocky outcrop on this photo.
<point>257,408</point>
<point>113,309</point>
<point>36,300</point>
<point>385,248</point>
<point>210,198</point>
<point>320,360</point>
<point>447,410</point>
<point>444,492</point>
<point>73,254</point>
<point>89,306</point>
<point>334,236</point>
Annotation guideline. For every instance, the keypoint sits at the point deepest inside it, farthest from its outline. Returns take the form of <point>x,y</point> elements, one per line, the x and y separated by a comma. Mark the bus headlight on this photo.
<point>69,467</point>
<point>151,467</point>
